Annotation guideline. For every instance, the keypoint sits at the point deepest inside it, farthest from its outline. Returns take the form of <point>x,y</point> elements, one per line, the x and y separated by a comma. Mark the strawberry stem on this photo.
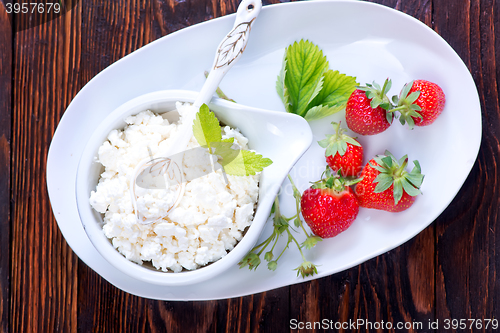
<point>280,225</point>
<point>298,245</point>
<point>266,242</point>
<point>401,170</point>
<point>383,92</point>
<point>297,205</point>
<point>399,108</point>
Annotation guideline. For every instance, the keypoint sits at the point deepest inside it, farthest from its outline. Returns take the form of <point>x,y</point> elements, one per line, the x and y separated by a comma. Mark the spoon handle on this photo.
<point>230,49</point>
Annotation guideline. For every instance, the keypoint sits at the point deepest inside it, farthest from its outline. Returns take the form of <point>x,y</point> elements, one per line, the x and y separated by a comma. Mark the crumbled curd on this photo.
<point>207,222</point>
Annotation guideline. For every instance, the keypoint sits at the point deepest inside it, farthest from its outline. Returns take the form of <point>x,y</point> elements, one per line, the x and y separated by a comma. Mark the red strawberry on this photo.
<point>328,207</point>
<point>420,103</point>
<point>386,185</point>
<point>366,109</point>
<point>343,152</point>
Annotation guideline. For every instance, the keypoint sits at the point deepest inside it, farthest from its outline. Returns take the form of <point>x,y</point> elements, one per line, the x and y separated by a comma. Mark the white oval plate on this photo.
<point>362,39</point>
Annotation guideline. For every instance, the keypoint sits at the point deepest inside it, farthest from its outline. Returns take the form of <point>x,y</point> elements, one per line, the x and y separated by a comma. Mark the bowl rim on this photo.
<point>104,245</point>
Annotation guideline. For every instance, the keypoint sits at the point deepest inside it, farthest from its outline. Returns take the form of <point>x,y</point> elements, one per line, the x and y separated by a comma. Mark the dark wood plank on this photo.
<point>104,308</point>
<point>467,284</point>
<point>110,30</point>
<point>263,312</point>
<point>43,268</point>
<point>5,156</point>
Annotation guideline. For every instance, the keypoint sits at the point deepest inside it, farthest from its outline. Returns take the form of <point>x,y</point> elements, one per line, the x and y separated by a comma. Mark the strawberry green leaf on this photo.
<point>378,167</point>
<point>337,143</point>
<point>246,163</point>
<point>336,147</point>
<point>389,116</point>
<point>343,147</point>
<point>352,141</point>
<point>378,96</point>
<point>321,111</point>
<point>416,169</point>
<point>387,87</point>
<point>305,65</point>
<point>281,88</point>
<point>307,87</point>
<point>409,188</point>
<point>329,182</point>
<point>325,142</point>
<point>206,128</point>
<point>384,182</point>
<point>387,161</point>
<point>402,159</point>
<point>413,97</point>
<point>415,179</point>
<point>398,190</point>
<point>388,153</point>
<point>385,106</point>
<point>336,90</point>
<point>406,90</point>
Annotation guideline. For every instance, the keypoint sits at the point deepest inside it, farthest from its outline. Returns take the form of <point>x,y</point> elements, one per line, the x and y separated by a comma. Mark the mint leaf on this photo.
<point>206,128</point>
<point>246,163</point>
<point>225,152</point>
<point>305,65</point>
<point>336,90</point>
<point>236,162</point>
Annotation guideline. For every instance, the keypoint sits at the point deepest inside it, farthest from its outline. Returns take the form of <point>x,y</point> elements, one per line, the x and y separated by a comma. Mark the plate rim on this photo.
<point>228,17</point>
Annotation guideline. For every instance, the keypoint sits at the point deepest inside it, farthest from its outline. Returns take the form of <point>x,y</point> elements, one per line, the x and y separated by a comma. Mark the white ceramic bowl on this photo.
<point>280,136</point>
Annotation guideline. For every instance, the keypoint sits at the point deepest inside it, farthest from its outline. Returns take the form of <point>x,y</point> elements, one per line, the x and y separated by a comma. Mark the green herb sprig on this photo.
<point>236,162</point>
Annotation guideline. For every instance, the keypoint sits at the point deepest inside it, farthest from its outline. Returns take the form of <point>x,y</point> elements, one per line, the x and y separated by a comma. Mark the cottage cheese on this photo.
<point>207,222</point>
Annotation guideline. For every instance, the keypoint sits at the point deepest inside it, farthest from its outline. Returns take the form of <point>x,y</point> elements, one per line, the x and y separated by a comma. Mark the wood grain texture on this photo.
<point>43,268</point>
<point>448,271</point>
<point>109,31</point>
<point>467,255</point>
<point>5,156</point>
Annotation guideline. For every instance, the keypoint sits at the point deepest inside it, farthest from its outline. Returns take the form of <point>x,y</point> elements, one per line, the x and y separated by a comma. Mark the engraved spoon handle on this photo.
<point>230,49</point>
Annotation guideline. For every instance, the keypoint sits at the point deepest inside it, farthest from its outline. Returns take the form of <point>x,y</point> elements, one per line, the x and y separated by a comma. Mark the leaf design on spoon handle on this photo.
<point>233,45</point>
<point>157,174</point>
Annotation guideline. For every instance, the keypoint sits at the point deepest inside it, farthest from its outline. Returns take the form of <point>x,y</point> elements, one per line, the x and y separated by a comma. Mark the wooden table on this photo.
<point>449,271</point>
